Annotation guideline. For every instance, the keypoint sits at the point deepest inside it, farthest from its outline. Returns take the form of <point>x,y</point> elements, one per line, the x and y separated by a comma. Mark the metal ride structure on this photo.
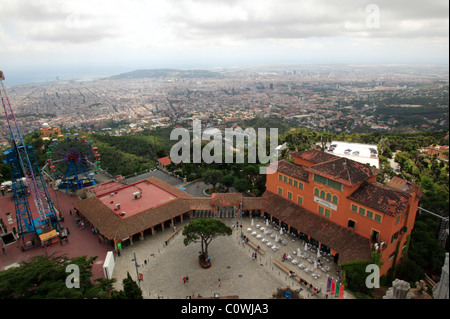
<point>26,178</point>
<point>70,160</point>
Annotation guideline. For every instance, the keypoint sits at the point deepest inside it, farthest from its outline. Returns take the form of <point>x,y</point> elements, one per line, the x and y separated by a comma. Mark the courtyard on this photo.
<point>164,266</point>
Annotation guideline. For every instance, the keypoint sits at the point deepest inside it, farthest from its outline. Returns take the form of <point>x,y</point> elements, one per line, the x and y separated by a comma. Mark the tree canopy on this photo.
<point>205,230</point>
<point>44,277</point>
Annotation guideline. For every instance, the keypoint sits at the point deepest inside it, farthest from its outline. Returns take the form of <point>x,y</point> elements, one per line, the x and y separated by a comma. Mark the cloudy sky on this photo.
<point>65,37</point>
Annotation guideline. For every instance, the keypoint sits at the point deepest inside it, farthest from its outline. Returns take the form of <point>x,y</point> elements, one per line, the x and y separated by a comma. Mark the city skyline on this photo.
<point>78,39</point>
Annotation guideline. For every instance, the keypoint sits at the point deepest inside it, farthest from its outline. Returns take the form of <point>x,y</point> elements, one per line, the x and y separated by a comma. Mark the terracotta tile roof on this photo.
<point>227,199</point>
<point>100,216</point>
<point>314,156</point>
<point>382,198</point>
<point>200,203</point>
<point>113,226</point>
<point>344,171</point>
<point>165,160</point>
<point>147,219</point>
<point>403,185</point>
<point>253,203</point>
<point>350,245</point>
<point>293,170</point>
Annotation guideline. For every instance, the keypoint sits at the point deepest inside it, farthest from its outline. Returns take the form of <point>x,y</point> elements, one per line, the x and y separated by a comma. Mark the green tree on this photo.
<point>130,290</point>
<point>45,277</point>
<point>212,177</point>
<point>227,180</point>
<point>242,184</point>
<point>205,230</point>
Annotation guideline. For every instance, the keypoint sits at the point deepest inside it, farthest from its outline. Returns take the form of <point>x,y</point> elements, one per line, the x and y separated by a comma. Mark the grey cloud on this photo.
<point>289,19</point>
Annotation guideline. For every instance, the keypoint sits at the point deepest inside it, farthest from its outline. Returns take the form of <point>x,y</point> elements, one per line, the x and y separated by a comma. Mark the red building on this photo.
<point>331,202</point>
<point>320,192</point>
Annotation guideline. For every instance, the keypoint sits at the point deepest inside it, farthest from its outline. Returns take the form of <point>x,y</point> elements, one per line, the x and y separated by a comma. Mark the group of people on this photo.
<point>254,255</point>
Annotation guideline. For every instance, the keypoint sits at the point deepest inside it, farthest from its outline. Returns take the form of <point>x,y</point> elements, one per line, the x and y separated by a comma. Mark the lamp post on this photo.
<point>137,266</point>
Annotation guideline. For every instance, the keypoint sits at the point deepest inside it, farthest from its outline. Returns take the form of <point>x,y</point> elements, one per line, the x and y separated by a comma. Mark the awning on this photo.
<point>48,236</point>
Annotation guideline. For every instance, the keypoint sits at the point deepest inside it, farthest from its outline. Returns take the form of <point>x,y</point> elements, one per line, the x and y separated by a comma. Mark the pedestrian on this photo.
<point>187,279</point>
<point>3,250</point>
<point>253,255</point>
<point>70,212</point>
<point>256,256</point>
<point>220,283</point>
<point>184,280</point>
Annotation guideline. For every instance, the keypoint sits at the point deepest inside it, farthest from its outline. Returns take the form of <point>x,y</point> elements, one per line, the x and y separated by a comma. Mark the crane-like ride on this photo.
<point>26,178</point>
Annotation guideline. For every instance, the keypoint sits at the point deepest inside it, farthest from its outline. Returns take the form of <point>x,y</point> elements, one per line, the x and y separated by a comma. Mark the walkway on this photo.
<point>232,264</point>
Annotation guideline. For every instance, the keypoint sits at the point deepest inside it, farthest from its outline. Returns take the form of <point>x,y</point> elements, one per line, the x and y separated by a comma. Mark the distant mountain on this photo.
<point>165,73</point>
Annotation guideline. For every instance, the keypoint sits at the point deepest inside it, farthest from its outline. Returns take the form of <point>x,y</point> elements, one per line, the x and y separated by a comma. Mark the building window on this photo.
<point>369,214</point>
<point>335,185</point>
<point>362,211</point>
<point>300,200</point>
<point>398,220</point>
<point>290,181</point>
<point>329,197</point>
<point>280,191</point>
<point>351,224</point>
<point>354,208</point>
<point>378,218</point>
<point>322,194</point>
<point>289,195</point>
<point>321,210</point>
<point>280,177</point>
<point>300,185</point>
<point>328,182</point>
<point>392,256</point>
<point>320,179</point>
<point>295,184</point>
<point>335,199</point>
<point>327,213</point>
<point>316,192</point>
<point>285,179</point>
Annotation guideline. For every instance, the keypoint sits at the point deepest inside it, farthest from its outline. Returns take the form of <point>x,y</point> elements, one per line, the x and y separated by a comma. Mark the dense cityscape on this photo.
<point>332,98</point>
<point>224,154</point>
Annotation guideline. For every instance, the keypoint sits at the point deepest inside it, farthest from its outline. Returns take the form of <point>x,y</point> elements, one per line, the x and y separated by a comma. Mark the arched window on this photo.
<point>329,197</point>
<point>335,199</point>
<point>322,194</point>
<point>316,192</point>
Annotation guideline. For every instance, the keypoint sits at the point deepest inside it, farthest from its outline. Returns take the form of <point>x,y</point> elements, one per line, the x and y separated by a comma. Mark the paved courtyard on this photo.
<point>232,263</point>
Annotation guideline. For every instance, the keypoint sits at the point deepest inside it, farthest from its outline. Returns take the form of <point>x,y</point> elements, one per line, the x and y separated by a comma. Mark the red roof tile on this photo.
<point>314,156</point>
<point>165,160</point>
<point>293,170</point>
<point>344,171</point>
<point>349,245</point>
<point>381,197</point>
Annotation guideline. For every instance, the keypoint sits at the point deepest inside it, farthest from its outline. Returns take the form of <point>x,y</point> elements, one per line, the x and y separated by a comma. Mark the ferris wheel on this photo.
<point>73,161</point>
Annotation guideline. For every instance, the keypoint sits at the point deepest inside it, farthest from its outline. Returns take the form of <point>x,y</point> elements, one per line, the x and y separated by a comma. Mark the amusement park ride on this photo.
<point>74,156</point>
<point>27,178</point>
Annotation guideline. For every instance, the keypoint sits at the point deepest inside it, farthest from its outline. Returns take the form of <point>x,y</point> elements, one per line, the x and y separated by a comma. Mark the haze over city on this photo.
<point>45,39</point>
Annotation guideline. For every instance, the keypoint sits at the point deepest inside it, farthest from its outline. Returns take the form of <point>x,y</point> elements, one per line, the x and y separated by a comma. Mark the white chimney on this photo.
<point>117,206</point>
<point>137,195</point>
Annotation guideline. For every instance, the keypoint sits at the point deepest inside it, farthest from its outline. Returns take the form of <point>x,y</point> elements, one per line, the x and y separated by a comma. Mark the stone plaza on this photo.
<point>163,266</point>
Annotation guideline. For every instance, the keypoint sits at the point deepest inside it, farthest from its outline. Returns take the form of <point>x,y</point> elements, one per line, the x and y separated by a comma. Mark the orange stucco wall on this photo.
<point>364,226</point>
